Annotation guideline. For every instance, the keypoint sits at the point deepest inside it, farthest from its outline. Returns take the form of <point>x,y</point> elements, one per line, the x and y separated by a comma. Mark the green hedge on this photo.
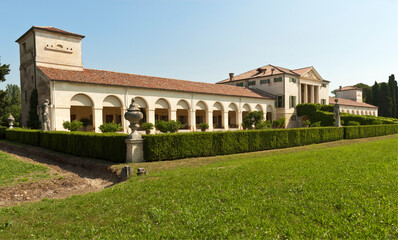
<point>351,132</point>
<point>25,136</point>
<point>2,132</point>
<point>182,145</point>
<point>107,146</point>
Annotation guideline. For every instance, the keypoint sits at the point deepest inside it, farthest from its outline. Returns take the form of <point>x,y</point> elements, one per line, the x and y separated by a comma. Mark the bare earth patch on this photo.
<point>70,175</point>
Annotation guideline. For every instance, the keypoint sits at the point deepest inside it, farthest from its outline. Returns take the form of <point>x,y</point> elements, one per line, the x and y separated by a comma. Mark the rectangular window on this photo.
<point>293,80</point>
<point>24,47</point>
<point>265,81</point>
<point>239,84</point>
<point>292,101</point>
<point>324,85</point>
<point>323,101</point>
<point>280,101</point>
<point>279,79</point>
<point>251,83</point>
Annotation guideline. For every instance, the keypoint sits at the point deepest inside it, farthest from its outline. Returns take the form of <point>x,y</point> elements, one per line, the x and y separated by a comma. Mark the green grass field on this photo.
<point>14,171</point>
<point>348,191</point>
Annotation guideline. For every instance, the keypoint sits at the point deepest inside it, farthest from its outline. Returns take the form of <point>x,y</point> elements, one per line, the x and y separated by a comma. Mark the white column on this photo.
<point>225,120</point>
<point>312,97</point>
<point>193,120</point>
<point>239,119</point>
<point>210,119</point>
<point>151,116</point>
<point>97,118</point>
<point>305,93</point>
<point>173,115</point>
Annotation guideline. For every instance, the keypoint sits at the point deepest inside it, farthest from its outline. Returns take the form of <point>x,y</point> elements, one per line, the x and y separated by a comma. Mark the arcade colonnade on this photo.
<point>97,107</point>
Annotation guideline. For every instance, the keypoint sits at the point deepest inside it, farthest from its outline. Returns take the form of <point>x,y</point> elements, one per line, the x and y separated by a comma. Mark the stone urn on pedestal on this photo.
<point>134,142</point>
<point>10,121</point>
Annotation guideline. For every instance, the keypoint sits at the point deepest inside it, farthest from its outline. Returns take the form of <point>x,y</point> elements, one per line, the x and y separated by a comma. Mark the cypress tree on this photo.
<point>385,103</point>
<point>375,94</point>
<point>392,85</point>
<point>33,120</point>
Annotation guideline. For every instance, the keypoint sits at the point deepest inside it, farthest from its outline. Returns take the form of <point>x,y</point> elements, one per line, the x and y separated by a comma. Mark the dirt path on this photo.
<point>70,175</point>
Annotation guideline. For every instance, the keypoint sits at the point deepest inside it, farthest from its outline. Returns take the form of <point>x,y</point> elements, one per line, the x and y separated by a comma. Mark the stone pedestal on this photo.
<point>134,150</point>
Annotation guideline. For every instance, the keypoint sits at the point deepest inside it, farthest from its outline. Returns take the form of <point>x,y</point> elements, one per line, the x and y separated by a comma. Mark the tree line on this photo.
<point>10,98</point>
<point>383,95</point>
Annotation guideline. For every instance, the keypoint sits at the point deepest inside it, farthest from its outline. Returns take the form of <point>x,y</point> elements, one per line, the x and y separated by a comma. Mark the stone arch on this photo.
<point>218,115</point>
<point>269,113</point>
<point>233,114</point>
<point>183,113</point>
<point>112,109</point>
<point>142,104</point>
<point>82,109</point>
<point>245,110</point>
<point>162,110</point>
<point>201,109</point>
<point>259,108</point>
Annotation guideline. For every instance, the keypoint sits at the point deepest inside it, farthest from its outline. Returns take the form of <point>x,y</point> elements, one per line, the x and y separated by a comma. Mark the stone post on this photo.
<point>134,141</point>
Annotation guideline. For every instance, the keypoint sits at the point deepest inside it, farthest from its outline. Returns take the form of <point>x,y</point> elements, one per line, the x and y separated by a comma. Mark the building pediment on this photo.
<point>312,74</point>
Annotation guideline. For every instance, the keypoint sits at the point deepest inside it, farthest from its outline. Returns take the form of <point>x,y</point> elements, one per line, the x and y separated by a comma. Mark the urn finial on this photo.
<point>134,116</point>
<point>10,120</point>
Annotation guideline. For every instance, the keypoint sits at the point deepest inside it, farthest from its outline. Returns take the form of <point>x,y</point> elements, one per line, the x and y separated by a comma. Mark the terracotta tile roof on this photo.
<point>348,102</point>
<point>348,88</point>
<point>51,29</point>
<point>140,81</point>
<point>267,71</point>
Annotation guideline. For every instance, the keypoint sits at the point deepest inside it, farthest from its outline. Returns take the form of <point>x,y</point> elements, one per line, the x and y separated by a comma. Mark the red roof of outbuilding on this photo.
<point>349,102</point>
<point>93,76</point>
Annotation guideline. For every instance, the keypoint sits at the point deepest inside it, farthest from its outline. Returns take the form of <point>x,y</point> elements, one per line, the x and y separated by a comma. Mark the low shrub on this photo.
<point>110,127</point>
<point>316,124</point>
<point>203,126</point>
<point>253,118</point>
<point>107,146</point>
<point>199,144</point>
<point>72,126</point>
<point>25,136</point>
<point>306,123</point>
<point>353,123</point>
<point>171,126</point>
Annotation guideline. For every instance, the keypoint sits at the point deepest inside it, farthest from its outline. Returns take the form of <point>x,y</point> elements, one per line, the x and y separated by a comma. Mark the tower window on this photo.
<point>24,47</point>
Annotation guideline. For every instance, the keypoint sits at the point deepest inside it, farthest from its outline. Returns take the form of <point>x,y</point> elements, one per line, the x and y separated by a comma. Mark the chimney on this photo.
<point>231,76</point>
<point>272,71</point>
<point>340,87</point>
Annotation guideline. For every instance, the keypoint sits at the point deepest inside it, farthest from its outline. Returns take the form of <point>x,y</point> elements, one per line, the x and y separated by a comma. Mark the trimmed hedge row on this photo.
<point>107,146</point>
<point>351,132</point>
<point>182,145</point>
<point>2,132</point>
<point>24,136</point>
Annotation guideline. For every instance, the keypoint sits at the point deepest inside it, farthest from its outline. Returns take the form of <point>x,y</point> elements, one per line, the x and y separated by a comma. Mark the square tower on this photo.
<point>47,47</point>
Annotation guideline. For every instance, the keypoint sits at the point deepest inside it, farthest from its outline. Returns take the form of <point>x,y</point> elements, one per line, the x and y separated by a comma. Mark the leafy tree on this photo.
<point>375,94</point>
<point>392,85</point>
<point>366,92</point>
<point>12,100</point>
<point>33,120</point>
<point>255,117</point>
<point>4,70</point>
<point>385,103</point>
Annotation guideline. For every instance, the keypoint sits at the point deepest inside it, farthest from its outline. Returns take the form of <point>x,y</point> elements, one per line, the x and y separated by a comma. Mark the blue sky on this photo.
<point>201,40</point>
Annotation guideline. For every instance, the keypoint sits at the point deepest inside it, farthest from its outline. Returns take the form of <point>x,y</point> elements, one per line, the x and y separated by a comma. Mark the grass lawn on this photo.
<point>14,171</point>
<point>348,191</point>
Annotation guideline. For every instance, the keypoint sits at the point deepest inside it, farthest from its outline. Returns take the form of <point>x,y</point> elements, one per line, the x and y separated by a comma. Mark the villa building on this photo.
<point>350,99</point>
<point>51,62</point>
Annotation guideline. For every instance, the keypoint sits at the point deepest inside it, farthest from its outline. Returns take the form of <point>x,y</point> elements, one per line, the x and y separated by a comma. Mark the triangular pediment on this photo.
<point>312,74</point>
